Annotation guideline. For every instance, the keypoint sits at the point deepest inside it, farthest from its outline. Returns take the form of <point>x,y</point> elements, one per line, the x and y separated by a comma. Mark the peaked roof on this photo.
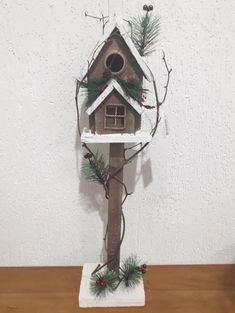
<point>117,22</point>
<point>113,84</point>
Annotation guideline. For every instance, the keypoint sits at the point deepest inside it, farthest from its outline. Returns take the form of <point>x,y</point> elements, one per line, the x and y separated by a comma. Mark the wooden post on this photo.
<point>116,155</point>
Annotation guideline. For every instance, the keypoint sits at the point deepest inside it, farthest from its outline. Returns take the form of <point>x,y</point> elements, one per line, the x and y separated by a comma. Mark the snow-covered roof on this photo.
<point>113,84</point>
<point>117,22</point>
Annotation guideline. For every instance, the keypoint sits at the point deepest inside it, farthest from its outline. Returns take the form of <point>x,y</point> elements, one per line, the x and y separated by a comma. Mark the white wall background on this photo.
<point>49,215</point>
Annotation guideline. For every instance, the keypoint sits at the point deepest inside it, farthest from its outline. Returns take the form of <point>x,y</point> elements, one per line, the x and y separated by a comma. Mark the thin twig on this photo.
<point>153,131</point>
<point>102,18</point>
<point>105,238</point>
<point>96,17</point>
<point>168,78</point>
<point>125,188</point>
<point>129,148</point>
<point>99,267</point>
<point>126,162</point>
<point>78,86</point>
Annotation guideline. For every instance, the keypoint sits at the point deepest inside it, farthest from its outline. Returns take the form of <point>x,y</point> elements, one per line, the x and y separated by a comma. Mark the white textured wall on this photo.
<point>49,215</point>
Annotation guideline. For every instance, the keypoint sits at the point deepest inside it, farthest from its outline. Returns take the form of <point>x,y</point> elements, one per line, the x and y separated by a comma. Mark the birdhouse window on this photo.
<point>115,63</point>
<point>115,117</point>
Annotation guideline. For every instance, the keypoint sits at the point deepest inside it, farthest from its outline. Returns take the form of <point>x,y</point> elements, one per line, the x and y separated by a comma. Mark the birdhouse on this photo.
<point>115,101</point>
<point>116,67</point>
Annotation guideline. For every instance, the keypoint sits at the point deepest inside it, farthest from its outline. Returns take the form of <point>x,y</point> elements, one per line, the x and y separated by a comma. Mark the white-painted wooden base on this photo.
<point>139,136</point>
<point>120,298</point>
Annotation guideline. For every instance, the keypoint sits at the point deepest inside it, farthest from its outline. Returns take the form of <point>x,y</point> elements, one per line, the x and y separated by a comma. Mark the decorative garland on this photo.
<point>132,88</point>
<point>131,274</point>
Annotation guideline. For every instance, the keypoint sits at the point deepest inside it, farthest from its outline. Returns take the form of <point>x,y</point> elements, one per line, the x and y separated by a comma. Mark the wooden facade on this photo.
<point>98,119</point>
<point>116,45</point>
<point>116,57</point>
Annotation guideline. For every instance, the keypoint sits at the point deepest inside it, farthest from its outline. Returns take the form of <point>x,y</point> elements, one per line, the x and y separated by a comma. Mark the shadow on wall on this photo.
<point>94,193</point>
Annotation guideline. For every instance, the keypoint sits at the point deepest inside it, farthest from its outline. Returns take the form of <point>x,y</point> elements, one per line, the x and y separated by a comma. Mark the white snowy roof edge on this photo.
<point>113,84</point>
<point>117,22</point>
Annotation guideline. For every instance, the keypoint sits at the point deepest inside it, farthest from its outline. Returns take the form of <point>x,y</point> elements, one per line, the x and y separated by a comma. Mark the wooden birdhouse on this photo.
<point>114,112</point>
<point>115,99</point>
<point>117,63</point>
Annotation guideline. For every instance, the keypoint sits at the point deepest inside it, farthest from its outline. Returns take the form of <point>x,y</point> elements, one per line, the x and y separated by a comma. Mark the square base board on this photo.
<point>120,298</point>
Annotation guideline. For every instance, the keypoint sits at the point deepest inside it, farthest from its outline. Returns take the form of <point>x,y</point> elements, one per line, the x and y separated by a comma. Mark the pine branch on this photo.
<point>133,89</point>
<point>103,282</point>
<point>95,169</point>
<point>93,89</point>
<point>145,30</point>
<point>132,272</point>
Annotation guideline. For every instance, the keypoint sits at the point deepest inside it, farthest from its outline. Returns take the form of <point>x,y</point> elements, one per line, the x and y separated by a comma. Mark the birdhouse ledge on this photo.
<point>140,136</point>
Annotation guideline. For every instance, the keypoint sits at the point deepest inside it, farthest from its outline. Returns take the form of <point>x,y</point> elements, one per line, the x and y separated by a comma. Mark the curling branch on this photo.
<point>169,70</point>
<point>99,267</point>
<point>153,131</point>
<point>125,189</point>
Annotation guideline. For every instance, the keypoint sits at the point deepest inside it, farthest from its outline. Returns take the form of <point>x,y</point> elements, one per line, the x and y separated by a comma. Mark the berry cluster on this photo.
<point>148,8</point>
<point>101,282</point>
<point>88,156</point>
<point>142,268</point>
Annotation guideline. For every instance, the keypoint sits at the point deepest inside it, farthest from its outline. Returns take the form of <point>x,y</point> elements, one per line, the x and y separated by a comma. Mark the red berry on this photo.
<point>100,282</point>
<point>144,266</point>
<point>145,7</point>
<point>88,156</point>
<point>143,270</point>
<point>150,8</point>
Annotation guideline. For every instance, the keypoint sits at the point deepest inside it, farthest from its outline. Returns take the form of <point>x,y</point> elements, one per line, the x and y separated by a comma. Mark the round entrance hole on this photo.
<point>115,62</point>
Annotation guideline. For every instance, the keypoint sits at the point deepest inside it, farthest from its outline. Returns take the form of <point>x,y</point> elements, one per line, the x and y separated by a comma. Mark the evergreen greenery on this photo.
<point>103,282</point>
<point>95,169</point>
<point>93,89</point>
<point>145,30</point>
<point>130,272</point>
<point>132,88</point>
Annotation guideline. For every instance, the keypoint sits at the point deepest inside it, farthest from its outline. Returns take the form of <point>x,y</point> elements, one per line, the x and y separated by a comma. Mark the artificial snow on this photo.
<point>120,298</point>
<point>139,136</point>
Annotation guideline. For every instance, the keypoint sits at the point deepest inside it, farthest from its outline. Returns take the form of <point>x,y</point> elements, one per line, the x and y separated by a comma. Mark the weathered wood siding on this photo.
<point>116,44</point>
<point>97,118</point>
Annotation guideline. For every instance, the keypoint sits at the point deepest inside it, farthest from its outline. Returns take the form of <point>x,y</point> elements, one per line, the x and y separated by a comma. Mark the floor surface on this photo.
<point>169,289</point>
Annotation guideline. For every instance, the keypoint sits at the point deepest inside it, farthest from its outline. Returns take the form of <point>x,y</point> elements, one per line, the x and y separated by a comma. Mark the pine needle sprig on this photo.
<point>93,89</point>
<point>95,169</point>
<point>131,273</point>
<point>103,282</point>
<point>133,89</point>
<point>145,30</point>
